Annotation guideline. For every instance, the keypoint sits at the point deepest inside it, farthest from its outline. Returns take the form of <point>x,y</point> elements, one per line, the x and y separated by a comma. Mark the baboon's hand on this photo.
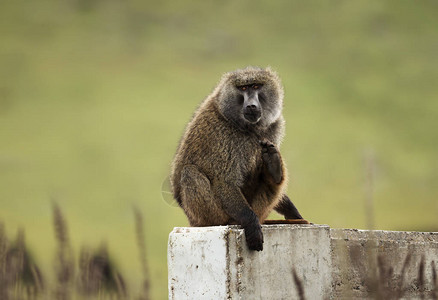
<point>254,236</point>
<point>271,158</point>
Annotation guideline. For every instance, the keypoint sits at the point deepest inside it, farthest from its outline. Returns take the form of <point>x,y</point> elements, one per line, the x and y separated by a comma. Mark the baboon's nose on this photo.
<point>252,107</point>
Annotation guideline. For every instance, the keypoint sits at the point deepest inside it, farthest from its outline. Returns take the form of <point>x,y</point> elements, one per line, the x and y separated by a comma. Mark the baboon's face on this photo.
<point>252,104</point>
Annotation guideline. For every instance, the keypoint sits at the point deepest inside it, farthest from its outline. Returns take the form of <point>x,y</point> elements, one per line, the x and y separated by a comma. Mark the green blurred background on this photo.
<point>94,96</point>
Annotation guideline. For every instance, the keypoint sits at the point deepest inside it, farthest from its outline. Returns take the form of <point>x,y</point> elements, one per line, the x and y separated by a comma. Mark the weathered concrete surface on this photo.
<point>215,263</point>
<point>197,263</point>
<point>369,262</point>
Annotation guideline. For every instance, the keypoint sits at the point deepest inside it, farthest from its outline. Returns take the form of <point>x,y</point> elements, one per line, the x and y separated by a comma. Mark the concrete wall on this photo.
<point>383,263</point>
<point>214,263</point>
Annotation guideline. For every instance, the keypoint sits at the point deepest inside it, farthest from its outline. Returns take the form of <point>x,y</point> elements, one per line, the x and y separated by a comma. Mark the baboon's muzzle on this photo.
<point>252,113</point>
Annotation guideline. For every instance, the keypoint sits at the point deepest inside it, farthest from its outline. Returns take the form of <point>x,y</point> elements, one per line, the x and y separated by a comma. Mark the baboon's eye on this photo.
<point>242,88</point>
<point>255,86</point>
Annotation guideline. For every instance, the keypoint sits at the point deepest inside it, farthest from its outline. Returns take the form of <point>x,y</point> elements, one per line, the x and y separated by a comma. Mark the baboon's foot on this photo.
<point>272,159</point>
<point>254,236</point>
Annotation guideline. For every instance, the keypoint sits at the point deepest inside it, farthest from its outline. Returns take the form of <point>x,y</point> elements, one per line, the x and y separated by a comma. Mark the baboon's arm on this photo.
<point>287,208</point>
<point>272,162</point>
<point>235,205</point>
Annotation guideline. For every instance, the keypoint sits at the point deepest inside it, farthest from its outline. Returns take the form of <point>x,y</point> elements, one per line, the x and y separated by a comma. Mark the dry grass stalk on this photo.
<point>384,290</point>
<point>421,285</point>
<point>145,292</point>
<point>85,284</point>
<point>400,289</point>
<point>3,274</point>
<point>371,280</point>
<point>434,281</point>
<point>370,166</point>
<point>299,285</point>
<point>65,261</point>
<point>378,282</point>
<point>382,283</point>
<point>383,286</point>
<point>19,275</point>
<point>99,276</point>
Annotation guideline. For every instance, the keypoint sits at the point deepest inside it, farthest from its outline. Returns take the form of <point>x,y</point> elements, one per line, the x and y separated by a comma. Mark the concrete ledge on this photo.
<point>215,263</point>
<point>361,256</point>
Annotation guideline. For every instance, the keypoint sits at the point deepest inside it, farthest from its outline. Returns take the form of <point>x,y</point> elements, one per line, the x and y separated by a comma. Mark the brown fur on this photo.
<point>219,174</point>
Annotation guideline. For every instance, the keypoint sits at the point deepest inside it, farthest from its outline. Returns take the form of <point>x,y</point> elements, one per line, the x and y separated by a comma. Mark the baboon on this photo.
<point>228,169</point>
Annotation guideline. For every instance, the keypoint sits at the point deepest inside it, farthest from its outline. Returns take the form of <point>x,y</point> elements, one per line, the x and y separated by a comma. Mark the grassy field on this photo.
<point>94,97</point>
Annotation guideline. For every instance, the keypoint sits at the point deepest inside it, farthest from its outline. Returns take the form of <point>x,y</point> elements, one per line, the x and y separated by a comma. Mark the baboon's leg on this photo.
<point>235,205</point>
<point>264,201</point>
<point>197,199</point>
<point>287,208</point>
